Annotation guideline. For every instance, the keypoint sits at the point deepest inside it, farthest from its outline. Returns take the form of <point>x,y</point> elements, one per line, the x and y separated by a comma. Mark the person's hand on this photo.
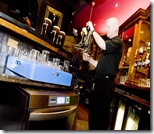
<point>86,56</point>
<point>89,23</point>
<point>84,30</point>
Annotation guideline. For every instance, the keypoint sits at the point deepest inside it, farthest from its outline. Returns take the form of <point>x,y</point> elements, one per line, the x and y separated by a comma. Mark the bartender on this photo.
<point>106,68</point>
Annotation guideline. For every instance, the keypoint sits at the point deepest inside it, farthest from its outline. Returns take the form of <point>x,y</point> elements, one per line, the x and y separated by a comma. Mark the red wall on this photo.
<point>103,9</point>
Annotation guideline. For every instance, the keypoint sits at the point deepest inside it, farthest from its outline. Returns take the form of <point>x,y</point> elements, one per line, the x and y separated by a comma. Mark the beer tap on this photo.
<point>85,44</point>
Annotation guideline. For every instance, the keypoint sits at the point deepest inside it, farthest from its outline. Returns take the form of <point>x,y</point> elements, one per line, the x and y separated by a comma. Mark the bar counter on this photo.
<point>135,93</point>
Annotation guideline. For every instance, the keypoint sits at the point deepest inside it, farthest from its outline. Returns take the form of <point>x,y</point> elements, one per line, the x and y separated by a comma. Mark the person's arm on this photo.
<point>87,57</point>
<point>99,40</point>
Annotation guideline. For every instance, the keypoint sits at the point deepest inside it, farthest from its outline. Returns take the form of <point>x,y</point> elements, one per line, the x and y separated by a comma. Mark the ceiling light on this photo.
<point>116,5</point>
<point>129,40</point>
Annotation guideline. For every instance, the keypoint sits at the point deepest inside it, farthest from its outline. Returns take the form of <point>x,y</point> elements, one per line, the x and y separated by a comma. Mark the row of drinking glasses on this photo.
<point>55,63</point>
<point>42,58</point>
<point>54,34</point>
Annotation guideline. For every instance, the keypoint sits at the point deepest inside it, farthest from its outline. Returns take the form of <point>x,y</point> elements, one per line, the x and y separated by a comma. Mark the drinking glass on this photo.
<point>45,57</point>
<point>61,38</point>
<point>66,65</point>
<point>56,63</point>
<point>33,55</point>
<point>46,27</point>
<point>54,34</point>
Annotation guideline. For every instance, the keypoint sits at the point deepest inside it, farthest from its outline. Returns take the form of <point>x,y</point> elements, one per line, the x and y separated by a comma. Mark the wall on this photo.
<point>104,9</point>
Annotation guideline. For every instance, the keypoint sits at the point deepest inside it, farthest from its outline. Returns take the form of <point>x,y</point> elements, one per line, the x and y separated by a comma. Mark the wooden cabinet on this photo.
<point>135,61</point>
<point>132,92</point>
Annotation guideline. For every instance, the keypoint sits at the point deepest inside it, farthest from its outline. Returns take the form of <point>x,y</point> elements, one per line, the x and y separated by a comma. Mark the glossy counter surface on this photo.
<point>130,86</point>
<point>134,93</point>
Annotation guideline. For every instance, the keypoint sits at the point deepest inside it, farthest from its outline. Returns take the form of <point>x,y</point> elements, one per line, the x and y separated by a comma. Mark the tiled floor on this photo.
<point>81,121</point>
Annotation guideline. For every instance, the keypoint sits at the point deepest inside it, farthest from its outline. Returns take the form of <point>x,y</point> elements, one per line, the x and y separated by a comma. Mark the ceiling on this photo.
<point>103,9</point>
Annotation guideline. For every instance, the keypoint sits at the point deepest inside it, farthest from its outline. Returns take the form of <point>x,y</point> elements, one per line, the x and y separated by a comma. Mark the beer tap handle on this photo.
<point>87,27</point>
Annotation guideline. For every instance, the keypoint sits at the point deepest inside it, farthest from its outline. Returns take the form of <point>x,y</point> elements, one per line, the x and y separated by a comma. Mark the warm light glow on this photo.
<point>119,118</point>
<point>141,32</point>
<point>129,40</point>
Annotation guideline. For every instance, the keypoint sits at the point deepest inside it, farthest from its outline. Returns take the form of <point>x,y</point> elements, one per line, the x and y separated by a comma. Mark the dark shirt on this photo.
<point>109,59</point>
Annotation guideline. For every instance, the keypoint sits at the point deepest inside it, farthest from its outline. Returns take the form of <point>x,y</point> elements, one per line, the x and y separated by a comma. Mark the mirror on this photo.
<point>54,15</point>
